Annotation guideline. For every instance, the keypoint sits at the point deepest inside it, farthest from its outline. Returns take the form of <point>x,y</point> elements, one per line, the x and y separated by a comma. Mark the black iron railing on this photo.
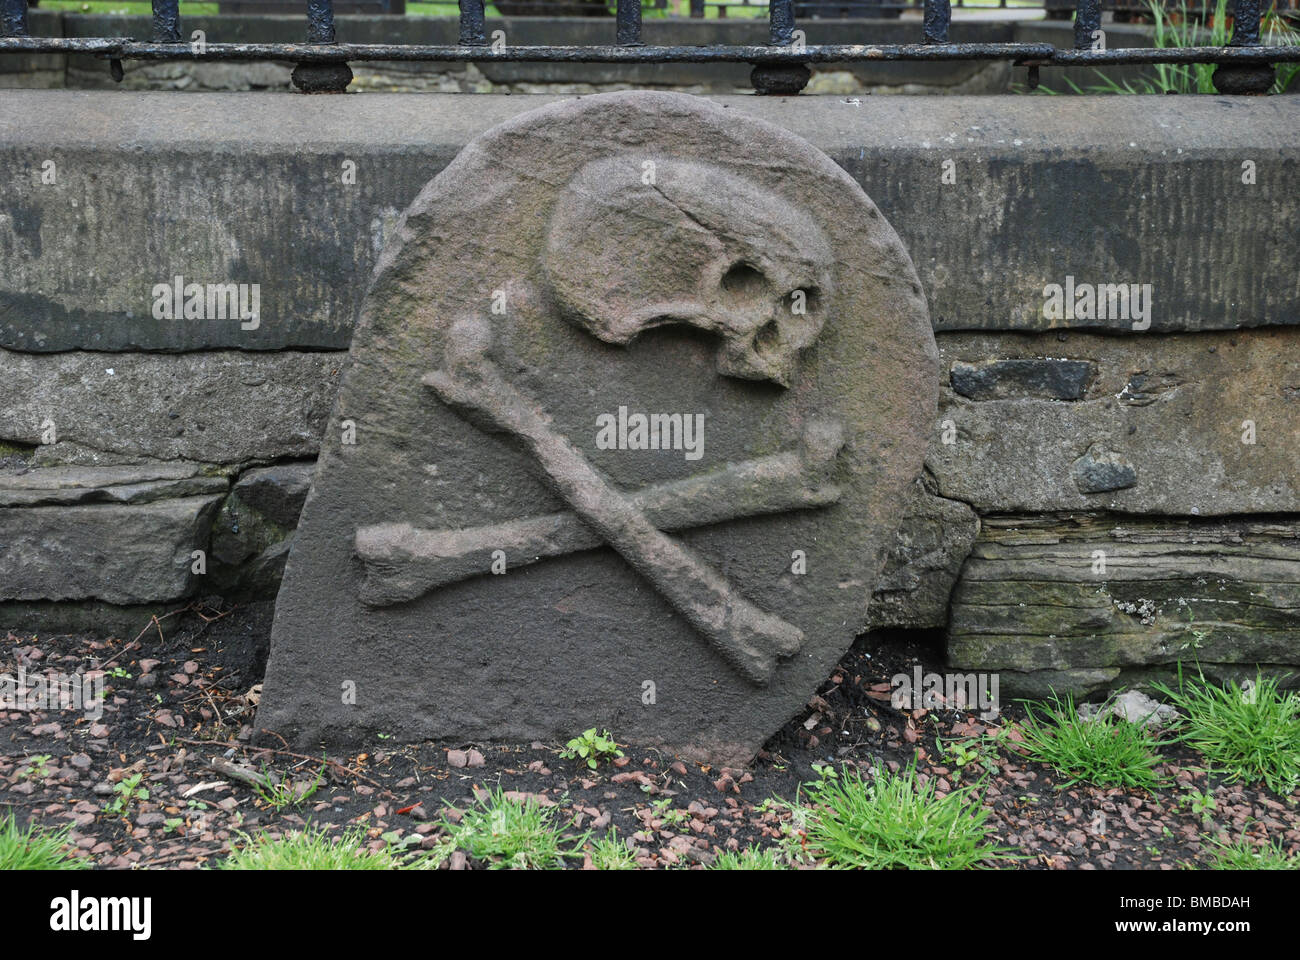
<point>780,66</point>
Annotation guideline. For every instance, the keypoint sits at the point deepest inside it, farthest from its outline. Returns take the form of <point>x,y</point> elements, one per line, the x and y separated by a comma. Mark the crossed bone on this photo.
<point>402,562</point>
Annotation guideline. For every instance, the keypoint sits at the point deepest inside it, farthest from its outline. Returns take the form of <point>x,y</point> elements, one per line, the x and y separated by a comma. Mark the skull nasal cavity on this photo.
<point>742,280</point>
<point>768,337</point>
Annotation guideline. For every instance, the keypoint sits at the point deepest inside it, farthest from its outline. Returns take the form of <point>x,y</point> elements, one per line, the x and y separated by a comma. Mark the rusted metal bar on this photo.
<point>1087,21</point>
<point>627,31</point>
<point>473,25</point>
<point>167,21</point>
<point>938,17</point>
<point>13,18</point>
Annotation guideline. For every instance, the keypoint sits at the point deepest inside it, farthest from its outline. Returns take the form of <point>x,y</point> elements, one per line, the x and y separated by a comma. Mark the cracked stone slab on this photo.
<point>216,407</point>
<point>120,553</point>
<point>469,419</point>
<point>45,486</point>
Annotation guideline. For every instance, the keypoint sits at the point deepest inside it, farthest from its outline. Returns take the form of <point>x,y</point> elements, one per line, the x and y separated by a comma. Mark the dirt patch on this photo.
<point>183,693</point>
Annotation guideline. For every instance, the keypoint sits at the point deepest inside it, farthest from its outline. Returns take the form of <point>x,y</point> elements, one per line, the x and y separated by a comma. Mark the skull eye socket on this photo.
<point>744,282</point>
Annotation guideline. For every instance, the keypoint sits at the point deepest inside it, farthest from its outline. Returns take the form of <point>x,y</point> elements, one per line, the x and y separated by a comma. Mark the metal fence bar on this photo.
<point>473,28</point>
<point>1245,23</point>
<point>321,76</point>
<point>938,16</point>
<point>628,27</point>
<point>1249,78</point>
<point>1043,53</point>
<point>13,18</point>
<point>320,21</point>
<point>167,21</point>
<point>1087,21</point>
<point>780,17</point>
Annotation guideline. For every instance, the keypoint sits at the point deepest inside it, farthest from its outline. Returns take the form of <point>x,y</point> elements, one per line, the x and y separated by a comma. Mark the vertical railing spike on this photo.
<point>166,21</point>
<point>1245,23</point>
<point>320,21</point>
<point>13,18</point>
<point>473,25</point>
<point>784,78</point>
<point>628,30</point>
<point>323,76</point>
<point>1087,23</point>
<point>1253,78</point>
<point>780,15</point>
<point>937,17</point>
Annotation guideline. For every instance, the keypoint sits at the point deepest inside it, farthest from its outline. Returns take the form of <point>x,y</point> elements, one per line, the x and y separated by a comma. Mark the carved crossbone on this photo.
<point>402,562</point>
<point>748,638</point>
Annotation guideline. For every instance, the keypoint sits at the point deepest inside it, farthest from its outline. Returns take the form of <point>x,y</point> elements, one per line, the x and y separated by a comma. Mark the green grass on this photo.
<point>311,849</point>
<point>1253,737</point>
<point>751,858</point>
<point>1277,32</point>
<point>891,821</point>
<point>1177,27</point>
<point>1106,751</point>
<point>510,834</point>
<point>611,853</point>
<point>1241,854</point>
<point>35,848</point>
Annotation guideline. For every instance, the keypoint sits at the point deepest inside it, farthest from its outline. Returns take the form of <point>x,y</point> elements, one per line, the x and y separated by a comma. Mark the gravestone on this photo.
<point>631,412</point>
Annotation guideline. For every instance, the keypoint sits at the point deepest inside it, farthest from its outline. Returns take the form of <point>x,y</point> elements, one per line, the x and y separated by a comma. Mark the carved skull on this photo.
<point>635,244</point>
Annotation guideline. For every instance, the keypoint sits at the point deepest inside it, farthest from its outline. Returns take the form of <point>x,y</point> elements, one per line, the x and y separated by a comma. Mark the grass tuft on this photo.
<point>611,853</point>
<point>1251,733</point>
<point>1105,750</point>
<point>751,858</point>
<point>506,833</point>
<point>310,849</point>
<point>891,821</point>
<point>1241,854</point>
<point>35,848</point>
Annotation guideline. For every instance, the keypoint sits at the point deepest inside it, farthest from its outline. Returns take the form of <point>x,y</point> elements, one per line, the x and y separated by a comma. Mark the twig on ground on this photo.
<point>250,777</point>
<point>288,753</point>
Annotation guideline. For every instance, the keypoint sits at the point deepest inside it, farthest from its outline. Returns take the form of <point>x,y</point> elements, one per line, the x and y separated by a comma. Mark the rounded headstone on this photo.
<point>494,549</point>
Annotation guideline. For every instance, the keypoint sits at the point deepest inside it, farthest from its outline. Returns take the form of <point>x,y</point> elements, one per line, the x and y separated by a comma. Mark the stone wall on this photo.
<point>1103,496</point>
